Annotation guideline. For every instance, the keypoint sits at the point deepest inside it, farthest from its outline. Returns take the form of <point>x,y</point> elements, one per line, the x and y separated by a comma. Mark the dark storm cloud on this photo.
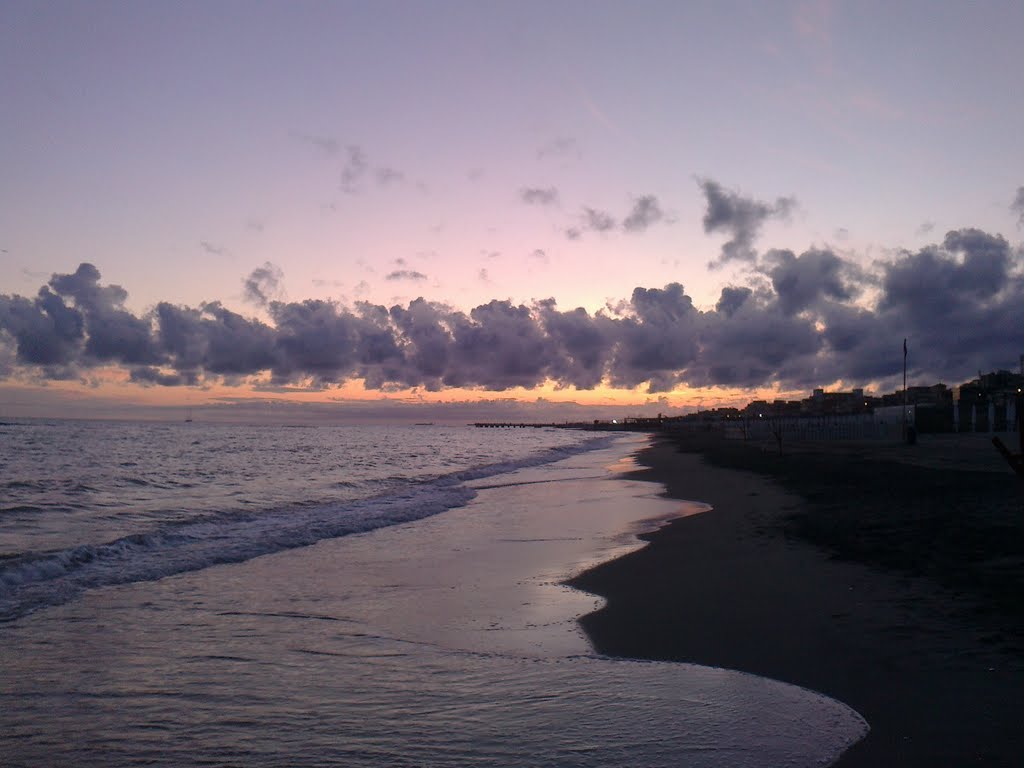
<point>498,346</point>
<point>658,340</point>
<point>808,319</point>
<point>115,335</point>
<point>321,340</point>
<point>934,280</point>
<point>801,281</point>
<point>753,341</point>
<point>582,343</point>
<point>732,299</point>
<point>1017,206</point>
<point>45,331</point>
<point>263,284</point>
<point>425,329</point>
<point>739,217</point>
<point>539,195</point>
<point>214,339</point>
<point>646,212</point>
<point>864,346</point>
<point>960,300</point>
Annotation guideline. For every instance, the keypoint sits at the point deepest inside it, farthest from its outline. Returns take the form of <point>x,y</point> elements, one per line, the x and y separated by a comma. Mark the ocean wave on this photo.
<point>12,485</point>
<point>33,580</point>
<point>18,508</point>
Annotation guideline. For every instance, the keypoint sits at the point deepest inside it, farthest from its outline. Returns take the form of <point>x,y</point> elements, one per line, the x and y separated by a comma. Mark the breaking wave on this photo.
<point>32,580</point>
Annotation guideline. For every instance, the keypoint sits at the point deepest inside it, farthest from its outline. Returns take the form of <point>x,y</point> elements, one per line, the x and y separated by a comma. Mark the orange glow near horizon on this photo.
<point>109,388</point>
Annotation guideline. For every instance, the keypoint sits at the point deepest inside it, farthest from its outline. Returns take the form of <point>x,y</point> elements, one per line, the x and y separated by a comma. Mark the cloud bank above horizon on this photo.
<point>801,320</point>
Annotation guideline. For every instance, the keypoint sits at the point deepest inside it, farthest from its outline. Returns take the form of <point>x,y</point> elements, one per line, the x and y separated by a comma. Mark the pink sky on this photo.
<point>514,152</point>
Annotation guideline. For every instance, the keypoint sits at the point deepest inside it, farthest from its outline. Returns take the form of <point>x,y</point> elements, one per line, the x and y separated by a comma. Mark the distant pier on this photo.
<point>634,425</point>
<point>513,425</point>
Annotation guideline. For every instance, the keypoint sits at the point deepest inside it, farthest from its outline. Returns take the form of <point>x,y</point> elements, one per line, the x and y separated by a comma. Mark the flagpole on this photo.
<point>904,390</point>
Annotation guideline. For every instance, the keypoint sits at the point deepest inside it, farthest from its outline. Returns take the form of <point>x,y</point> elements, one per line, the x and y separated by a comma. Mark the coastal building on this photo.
<point>822,403</point>
<point>988,403</point>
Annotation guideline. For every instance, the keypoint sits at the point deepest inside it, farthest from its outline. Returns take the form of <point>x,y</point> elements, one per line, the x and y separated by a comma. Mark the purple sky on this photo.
<point>808,158</point>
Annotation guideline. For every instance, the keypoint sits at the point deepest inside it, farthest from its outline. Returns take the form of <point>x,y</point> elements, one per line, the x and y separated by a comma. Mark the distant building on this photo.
<point>987,403</point>
<point>822,403</point>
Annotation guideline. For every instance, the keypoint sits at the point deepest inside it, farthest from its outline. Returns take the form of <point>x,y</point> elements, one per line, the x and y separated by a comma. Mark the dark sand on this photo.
<point>889,577</point>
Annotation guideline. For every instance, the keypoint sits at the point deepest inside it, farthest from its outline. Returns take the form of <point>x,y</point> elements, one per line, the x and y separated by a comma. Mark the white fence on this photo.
<point>863,426</point>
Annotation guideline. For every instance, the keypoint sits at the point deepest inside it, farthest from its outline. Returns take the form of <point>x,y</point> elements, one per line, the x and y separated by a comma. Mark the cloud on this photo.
<point>582,344</point>
<point>1017,206</point>
<point>731,299</point>
<point>426,329</point>
<point>356,166</point>
<point>597,220</point>
<point>115,334</point>
<point>212,248</point>
<point>358,169</point>
<point>646,212</point>
<point>387,176</point>
<point>801,281</point>
<point>214,340</point>
<point>560,147</point>
<point>739,217</point>
<point>498,346</point>
<point>658,340</point>
<point>148,375</point>
<point>807,319</point>
<point>539,195</point>
<point>45,331</point>
<point>263,284</point>
<point>321,340</point>
<point>405,274</point>
<point>327,144</point>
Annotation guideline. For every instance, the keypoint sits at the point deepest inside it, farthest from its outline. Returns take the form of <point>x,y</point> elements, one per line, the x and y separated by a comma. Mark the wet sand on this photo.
<point>889,577</point>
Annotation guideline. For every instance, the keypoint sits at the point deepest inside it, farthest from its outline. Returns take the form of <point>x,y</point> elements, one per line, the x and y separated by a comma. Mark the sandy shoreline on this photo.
<point>891,580</point>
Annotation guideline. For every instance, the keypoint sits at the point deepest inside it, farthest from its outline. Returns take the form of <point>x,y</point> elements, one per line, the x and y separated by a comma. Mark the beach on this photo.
<point>379,596</point>
<point>889,577</point>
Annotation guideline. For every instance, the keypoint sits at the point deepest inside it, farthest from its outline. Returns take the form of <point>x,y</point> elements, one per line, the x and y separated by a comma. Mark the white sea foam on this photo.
<point>32,579</point>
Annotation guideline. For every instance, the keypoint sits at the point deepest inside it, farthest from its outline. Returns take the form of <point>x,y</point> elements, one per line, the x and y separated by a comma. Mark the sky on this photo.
<point>643,205</point>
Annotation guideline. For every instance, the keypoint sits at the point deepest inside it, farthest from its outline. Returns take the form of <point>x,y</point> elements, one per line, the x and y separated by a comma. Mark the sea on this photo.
<point>179,594</point>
